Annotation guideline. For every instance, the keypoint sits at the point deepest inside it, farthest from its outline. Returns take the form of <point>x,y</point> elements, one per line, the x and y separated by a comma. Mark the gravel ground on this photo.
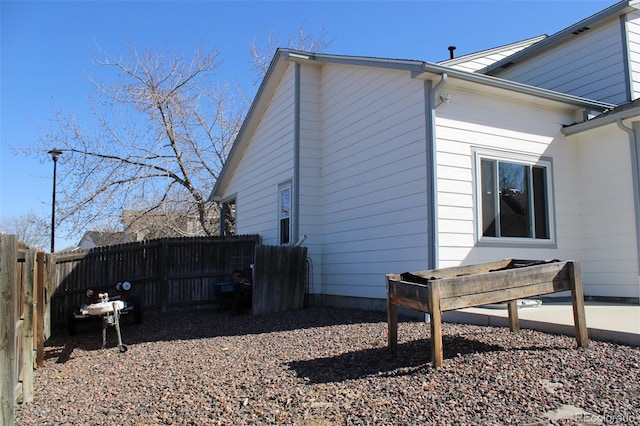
<point>326,366</point>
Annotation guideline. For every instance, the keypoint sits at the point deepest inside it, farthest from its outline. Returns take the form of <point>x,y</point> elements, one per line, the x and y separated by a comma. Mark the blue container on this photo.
<point>227,287</point>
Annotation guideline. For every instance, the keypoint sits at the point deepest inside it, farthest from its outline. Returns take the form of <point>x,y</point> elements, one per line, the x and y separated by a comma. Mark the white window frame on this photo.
<point>517,158</point>
<point>282,189</point>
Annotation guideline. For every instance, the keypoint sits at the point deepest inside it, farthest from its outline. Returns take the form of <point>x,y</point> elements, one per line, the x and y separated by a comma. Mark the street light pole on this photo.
<point>55,153</point>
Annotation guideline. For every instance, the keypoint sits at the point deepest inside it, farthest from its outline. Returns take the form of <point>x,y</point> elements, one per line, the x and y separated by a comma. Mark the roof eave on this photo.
<point>597,122</point>
<point>518,87</point>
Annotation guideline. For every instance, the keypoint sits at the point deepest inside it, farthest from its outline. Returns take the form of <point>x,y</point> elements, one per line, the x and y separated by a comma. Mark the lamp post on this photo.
<point>55,153</point>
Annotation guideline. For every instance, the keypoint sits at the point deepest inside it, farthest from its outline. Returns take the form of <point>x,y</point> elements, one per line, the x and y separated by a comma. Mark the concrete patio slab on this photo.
<point>618,323</point>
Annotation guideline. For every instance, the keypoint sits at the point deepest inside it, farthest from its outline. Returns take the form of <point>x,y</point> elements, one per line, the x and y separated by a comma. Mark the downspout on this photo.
<point>634,143</point>
<point>432,190</point>
<point>436,88</point>
<point>295,207</point>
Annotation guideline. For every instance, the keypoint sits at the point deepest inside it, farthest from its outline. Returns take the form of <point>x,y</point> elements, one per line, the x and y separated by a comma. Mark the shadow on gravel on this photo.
<point>407,359</point>
<point>202,324</point>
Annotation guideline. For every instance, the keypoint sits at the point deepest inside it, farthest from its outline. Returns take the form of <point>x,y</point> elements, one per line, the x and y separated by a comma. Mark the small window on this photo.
<point>514,201</point>
<point>284,213</point>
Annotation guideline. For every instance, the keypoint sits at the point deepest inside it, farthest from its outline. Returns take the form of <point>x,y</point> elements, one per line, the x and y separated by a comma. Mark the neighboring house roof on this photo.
<point>622,112</point>
<point>98,239</point>
<point>480,60</point>
<point>616,10</point>
<point>417,68</point>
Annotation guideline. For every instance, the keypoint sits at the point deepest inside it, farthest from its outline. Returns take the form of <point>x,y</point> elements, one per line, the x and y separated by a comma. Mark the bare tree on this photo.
<point>29,228</point>
<point>261,54</point>
<point>163,132</point>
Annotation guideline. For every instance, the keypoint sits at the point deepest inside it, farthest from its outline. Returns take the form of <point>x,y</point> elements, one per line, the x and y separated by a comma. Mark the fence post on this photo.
<point>28,327</point>
<point>40,308</point>
<point>7,328</point>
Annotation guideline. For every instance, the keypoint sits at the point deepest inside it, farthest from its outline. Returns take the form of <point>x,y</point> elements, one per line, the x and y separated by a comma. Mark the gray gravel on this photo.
<point>325,366</point>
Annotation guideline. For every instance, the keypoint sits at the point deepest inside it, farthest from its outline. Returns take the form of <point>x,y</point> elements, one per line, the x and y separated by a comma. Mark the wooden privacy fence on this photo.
<point>279,278</point>
<point>164,273</point>
<point>24,321</point>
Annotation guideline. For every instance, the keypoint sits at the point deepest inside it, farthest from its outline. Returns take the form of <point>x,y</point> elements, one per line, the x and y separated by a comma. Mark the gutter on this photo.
<point>601,121</point>
<point>488,80</point>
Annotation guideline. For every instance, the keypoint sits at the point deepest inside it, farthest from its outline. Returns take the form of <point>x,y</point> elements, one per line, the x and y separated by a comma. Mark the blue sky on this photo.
<point>47,51</point>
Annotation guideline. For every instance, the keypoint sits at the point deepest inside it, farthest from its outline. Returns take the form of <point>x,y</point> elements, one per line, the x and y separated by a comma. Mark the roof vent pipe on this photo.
<point>451,49</point>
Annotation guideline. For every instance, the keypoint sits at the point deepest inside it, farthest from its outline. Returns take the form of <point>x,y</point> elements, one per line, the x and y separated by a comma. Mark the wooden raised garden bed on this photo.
<point>438,290</point>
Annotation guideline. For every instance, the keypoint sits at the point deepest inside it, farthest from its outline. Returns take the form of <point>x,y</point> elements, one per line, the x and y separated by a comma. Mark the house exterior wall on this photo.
<point>373,178</point>
<point>363,178</point>
<point>483,122</point>
<point>609,250</point>
<point>591,65</point>
<point>266,163</point>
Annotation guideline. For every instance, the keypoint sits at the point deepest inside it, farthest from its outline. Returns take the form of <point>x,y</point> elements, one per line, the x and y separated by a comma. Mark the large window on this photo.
<point>515,201</point>
<point>284,212</point>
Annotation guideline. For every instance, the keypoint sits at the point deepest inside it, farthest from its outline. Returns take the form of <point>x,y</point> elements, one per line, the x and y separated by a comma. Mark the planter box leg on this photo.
<point>514,322</point>
<point>577,301</point>
<point>436,324</point>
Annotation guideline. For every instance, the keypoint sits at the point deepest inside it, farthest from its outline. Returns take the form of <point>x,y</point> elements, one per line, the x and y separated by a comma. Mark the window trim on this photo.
<point>281,188</point>
<point>519,158</point>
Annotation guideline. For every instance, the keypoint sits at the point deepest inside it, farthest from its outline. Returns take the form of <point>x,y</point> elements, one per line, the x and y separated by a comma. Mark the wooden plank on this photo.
<point>436,324</point>
<point>459,292</point>
<point>457,271</point>
<point>409,290</point>
<point>417,305</point>
<point>496,296</point>
<point>577,302</point>
<point>556,273</point>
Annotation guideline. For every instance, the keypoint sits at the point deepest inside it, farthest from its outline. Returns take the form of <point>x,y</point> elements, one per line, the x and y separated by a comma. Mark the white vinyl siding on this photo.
<point>477,61</point>
<point>373,178</point>
<point>589,65</point>
<point>474,120</point>
<point>267,162</point>
<point>363,177</point>
<point>609,255</point>
<point>633,43</point>
<point>311,198</point>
